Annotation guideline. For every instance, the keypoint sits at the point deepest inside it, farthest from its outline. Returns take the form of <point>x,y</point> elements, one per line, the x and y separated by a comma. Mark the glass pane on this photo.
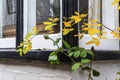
<point>8,21</point>
<point>44,10</point>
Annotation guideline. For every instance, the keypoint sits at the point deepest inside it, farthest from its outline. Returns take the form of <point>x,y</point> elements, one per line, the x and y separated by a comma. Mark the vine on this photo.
<point>89,26</point>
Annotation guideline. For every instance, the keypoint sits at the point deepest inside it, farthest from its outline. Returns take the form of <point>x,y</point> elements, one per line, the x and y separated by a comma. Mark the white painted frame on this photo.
<point>110,16</point>
<point>5,42</point>
<point>39,42</point>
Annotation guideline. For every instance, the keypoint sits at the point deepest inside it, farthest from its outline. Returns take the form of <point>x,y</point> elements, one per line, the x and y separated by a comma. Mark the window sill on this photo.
<point>43,55</point>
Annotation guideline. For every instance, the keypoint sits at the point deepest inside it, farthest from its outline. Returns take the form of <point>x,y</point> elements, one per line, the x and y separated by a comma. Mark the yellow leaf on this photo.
<point>118,7</point>
<point>98,24</point>
<point>51,19</point>
<point>83,15</point>
<point>85,29</point>
<point>49,26</point>
<point>97,42</point>
<point>92,31</point>
<point>94,41</point>
<point>76,13</point>
<point>90,42</point>
<point>35,30</point>
<point>79,35</point>
<point>115,2</point>
<point>55,19</point>
<point>66,31</point>
<point>67,24</point>
<point>76,18</point>
<point>93,24</point>
<point>118,28</point>
<point>47,23</point>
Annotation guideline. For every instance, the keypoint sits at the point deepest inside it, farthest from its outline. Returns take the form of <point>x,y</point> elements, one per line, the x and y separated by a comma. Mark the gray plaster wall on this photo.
<point>19,69</point>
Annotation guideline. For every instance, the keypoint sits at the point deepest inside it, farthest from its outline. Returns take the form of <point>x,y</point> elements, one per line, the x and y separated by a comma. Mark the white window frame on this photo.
<point>39,42</point>
<point>5,42</point>
<point>109,19</point>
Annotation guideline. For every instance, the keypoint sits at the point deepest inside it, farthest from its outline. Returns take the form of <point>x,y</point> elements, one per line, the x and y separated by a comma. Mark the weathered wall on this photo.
<point>16,69</point>
<point>108,70</point>
<point>12,69</point>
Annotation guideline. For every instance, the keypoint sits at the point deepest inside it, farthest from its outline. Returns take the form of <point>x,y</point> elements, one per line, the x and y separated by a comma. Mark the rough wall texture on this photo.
<point>108,70</point>
<point>16,69</point>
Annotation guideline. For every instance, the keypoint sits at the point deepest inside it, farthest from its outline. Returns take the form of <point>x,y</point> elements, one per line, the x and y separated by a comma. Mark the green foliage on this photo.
<point>94,72</point>
<point>53,58</point>
<point>85,61</point>
<point>57,41</point>
<point>66,44</point>
<point>73,52</point>
<point>76,52</point>
<point>76,66</point>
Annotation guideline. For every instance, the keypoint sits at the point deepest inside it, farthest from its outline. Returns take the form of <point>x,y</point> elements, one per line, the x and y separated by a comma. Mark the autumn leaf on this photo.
<point>79,35</point>
<point>118,28</point>
<point>90,42</point>
<point>53,19</point>
<point>66,31</point>
<point>115,2</point>
<point>93,31</point>
<point>49,26</point>
<point>47,23</point>
<point>68,24</point>
<point>93,24</point>
<point>118,7</point>
<point>35,30</point>
<point>78,17</point>
<point>95,41</point>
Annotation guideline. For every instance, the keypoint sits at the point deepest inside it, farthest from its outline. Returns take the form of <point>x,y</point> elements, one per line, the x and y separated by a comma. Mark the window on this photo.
<point>16,20</point>
<point>7,23</point>
<point>107,15</point>
<point>37,11</point>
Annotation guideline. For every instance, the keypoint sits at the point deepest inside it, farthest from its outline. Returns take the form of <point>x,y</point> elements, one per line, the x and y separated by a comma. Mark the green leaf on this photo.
<point>85,61</point>
<point>57,41</point>
<point>90,52</point>
<point>53,56</point>
<point>66,44</point>
<point>60,49</point>
<point>76,54</point>
<point>74,48</point>
<point>76,66</point>
<point>96,73</point>
<point>70,54</point>
<point>83,54</point>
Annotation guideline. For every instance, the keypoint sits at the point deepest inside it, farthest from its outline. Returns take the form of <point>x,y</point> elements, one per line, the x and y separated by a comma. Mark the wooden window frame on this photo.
<point>43,55</point>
